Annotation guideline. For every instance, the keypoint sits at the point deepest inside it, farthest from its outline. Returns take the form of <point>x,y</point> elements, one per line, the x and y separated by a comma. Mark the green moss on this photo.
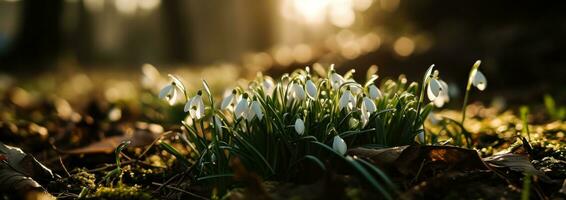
<point>84,178</point>
<point>122,192</point>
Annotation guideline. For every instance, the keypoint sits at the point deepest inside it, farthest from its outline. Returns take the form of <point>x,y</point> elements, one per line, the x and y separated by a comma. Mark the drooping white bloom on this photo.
<point>299,126</point>
<point>268,85</point>
<point>339,145</point>
<point>242,106</point>
<point>297,92</point>
<point>230,100</point>
<point>253,111</point>
<point>169,93</point>
<point>368,105</point>
<point>195,106</point>
<point>374,92</point>
<point>433,89</point>
<point>443,97</point>
<point>311,89</point>
<point>336,80</point>
<point>347,100</point>
<point>479,80</point>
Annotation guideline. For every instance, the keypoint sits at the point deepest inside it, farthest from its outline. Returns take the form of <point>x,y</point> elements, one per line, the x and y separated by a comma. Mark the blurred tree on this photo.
<point>37,42</point>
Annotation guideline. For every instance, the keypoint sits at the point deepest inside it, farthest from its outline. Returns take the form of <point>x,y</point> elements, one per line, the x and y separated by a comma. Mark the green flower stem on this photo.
<point>421,99</point>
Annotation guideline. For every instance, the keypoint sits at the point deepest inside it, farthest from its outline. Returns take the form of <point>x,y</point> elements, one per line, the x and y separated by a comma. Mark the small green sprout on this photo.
<point>555,112</point>
<point>117,172</point>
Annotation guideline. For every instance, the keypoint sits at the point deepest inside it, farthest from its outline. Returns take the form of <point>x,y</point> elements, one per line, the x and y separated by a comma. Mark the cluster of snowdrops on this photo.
<point>273,125</point>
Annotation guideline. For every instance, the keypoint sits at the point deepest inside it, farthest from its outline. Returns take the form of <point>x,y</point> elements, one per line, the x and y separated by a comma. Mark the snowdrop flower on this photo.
<point>254,110</point>
<point>195,106</point>
<point>347,100</point>
<point>477,78</point>
<point>479,81</point>
<point>242,106</point>
<point>311,88</point>
<point>433,88</point>
<point>268,85</point>
<point>374,92</point>
<point>336,80</point>
<point>443,97</point>
<point>339,145</point>
<point>297,92</point>
<point>171,91</point>
<point>368,105</point>
<point>230,100</point>
<point>299,126</point>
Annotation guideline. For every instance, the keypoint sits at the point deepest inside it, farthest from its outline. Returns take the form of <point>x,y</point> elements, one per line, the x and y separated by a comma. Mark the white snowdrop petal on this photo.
<point>249,115</point>
<point>429,71</point>
<point>353,101</point>
<point>374,92</point>
<point>241,108</point>
<point>188,105</point>
<point>165,91</point>
<point>300,92</point>
<point>479,81</point>
<point>443,96</point>
<point>300,126</point>
<point>365,118</point>
<point>227,101</point>
<point>438,102</point>
<point>311,89</point>
<point>200,107</point>
<point>256,107</point>
<point>344,99</point>
<point>433,89</point>
<point>369,105</point>
<point>172,99</point>
<point>339,145</point>
<point>336,80</point>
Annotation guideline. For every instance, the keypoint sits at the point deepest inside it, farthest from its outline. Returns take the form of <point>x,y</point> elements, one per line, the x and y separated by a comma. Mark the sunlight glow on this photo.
<point>404,46</point>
